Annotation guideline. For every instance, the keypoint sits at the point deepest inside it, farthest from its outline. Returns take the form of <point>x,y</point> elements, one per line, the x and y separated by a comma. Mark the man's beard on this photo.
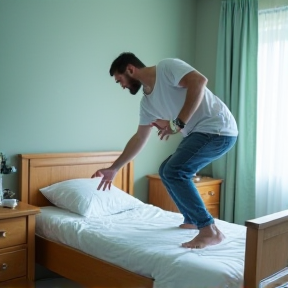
<point>134,85</point>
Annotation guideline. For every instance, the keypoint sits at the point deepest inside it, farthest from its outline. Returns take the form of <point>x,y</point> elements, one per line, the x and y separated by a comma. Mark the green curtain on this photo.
<point>236,85</point>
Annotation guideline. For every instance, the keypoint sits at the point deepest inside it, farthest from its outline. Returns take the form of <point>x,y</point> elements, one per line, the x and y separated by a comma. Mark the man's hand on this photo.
<point>164,128</point>
<point>107,175</point>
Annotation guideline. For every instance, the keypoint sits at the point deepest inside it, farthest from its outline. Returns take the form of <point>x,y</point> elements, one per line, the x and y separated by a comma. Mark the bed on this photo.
<point>266,250</point>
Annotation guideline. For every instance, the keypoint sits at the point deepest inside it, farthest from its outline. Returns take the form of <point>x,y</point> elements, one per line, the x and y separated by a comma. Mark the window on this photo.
<point>272,111</point>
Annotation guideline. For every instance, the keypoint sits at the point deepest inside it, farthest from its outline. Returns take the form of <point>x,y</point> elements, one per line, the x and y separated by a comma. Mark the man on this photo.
<point>176,100</point>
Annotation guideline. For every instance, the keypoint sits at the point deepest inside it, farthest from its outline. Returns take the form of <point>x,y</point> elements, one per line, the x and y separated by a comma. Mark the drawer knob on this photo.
<point>211,193</point>
<point>4,266</point>
<point>2,234</point>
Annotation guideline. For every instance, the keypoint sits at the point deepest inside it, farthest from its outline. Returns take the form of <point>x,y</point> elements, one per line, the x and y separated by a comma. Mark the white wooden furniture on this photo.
<point>266,245</point>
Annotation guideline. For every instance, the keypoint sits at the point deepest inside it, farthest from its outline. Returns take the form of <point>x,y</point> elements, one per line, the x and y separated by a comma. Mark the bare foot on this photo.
<point>188,226</point>
<point>209,235</point>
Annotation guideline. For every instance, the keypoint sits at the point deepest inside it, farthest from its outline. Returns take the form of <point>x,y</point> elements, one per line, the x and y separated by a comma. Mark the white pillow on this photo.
<point>82,197</point>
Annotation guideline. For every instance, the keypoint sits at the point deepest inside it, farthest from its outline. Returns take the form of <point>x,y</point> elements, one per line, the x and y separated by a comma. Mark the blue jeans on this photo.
<point>193,153</point>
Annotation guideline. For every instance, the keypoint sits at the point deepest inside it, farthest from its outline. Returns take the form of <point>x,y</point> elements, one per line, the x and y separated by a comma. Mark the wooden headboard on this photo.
<point>40,170</point>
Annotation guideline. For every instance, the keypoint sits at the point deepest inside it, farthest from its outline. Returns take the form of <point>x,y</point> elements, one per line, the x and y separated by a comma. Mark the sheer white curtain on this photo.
<point>272,110</point>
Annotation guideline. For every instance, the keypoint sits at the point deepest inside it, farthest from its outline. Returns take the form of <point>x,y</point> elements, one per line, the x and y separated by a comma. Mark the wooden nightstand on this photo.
<point>209,189</point>
<point>17,246</point>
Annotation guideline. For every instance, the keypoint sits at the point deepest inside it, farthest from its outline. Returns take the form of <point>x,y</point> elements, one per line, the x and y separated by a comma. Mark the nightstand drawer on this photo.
<point>12,232</point>
<point>210,193</point>
<point>13,265</point>
<point>213,210</point>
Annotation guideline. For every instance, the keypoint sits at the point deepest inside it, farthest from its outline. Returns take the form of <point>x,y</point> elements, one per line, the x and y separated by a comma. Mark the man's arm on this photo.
<point>195,83</point>
<point>132,148</point>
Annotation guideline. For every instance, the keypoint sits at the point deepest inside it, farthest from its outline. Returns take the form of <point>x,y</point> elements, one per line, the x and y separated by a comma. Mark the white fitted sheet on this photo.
<point>147,241</point>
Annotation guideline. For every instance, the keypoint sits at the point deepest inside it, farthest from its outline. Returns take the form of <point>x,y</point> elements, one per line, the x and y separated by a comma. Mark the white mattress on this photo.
<point>147,241</point>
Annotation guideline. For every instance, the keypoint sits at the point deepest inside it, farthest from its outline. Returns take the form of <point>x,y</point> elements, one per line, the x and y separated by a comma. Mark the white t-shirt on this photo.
<point>167,99</point>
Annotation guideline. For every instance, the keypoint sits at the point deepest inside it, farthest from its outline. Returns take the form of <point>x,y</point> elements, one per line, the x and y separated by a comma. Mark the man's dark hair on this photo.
<point>120,64</point>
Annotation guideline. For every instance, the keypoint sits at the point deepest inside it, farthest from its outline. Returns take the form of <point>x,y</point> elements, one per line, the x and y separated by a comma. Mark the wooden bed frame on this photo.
<point>266,245</point>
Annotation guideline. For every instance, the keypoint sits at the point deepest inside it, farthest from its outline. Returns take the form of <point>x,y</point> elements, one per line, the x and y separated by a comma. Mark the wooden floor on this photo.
<point>56,283</point>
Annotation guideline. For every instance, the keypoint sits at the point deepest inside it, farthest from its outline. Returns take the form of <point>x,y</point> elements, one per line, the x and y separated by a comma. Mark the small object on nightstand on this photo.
<point>8,194</point>
<point>1,190</point>
<point>9,203</point>
<point>4,169</point>
<point>196,178</point>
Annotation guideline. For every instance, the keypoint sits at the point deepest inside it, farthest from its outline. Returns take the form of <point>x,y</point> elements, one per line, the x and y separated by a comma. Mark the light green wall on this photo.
<point>207,19</point>
<point>55,91</point>
<point>56,94</point>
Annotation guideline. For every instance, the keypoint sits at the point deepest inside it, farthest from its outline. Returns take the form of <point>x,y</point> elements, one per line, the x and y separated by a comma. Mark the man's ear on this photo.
<point>130,69</point>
